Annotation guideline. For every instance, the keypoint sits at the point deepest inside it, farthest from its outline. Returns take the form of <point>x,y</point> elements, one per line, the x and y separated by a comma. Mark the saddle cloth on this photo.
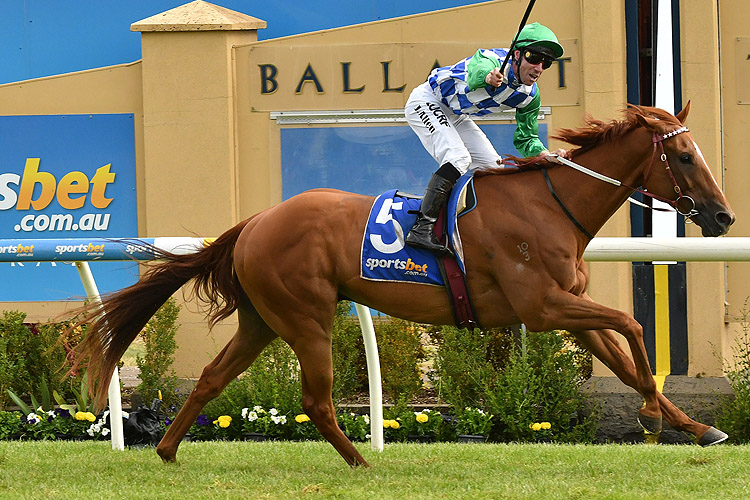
<point>385,256</point>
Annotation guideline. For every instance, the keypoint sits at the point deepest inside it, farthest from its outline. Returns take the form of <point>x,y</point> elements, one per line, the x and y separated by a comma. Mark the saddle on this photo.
<point>385,257</point>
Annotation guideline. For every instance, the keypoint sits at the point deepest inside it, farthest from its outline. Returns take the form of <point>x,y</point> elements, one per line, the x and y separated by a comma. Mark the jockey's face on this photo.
<point>528,73</point>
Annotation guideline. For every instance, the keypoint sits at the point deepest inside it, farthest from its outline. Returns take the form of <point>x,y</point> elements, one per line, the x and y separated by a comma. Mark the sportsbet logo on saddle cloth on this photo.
<point>385,256</point>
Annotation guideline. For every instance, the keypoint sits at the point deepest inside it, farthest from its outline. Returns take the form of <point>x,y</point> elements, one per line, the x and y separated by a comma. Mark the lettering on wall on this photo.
<point>269,83</point>
<point>372,75</point>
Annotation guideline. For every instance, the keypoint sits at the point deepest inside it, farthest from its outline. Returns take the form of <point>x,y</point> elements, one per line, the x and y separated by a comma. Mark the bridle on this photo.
<point>658,140</point>
<point>659,152</point>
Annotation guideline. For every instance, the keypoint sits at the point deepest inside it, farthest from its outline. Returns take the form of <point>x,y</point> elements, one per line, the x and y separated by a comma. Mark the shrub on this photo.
<point>20,356</point>
<point>32,353</point>
<point>400,350</point>
<point>466,363</point>
<point>273,380</point>
<point>155,367</point>
<point>356,427</point>
<point>349,360</point>
<point>539,385</point>
<point>10,424</point>
<point>734,414</point>
<point>472,421</point>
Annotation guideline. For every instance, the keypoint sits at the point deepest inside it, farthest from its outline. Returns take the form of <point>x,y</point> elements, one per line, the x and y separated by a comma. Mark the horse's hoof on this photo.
<point>651,425</point>
<point>712,436</point>
<point>166,456</point>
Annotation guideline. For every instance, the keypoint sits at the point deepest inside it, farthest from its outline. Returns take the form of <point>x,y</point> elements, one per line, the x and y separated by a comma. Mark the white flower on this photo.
<point>273,411</point>
<point>33,418</point>
<point>258,409</point>
<point>252,416</point>
<point>52,414</point>
<point>278,419</point>
<point>367,419</point>
<point>244,412</point>
<point>105,431</point>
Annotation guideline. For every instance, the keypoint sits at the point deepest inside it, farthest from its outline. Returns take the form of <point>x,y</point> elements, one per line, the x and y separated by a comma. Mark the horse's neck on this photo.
<point>592,201</point>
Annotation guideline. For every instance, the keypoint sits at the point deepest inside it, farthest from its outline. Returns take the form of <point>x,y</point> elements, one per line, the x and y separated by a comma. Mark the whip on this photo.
<point>515,38</point>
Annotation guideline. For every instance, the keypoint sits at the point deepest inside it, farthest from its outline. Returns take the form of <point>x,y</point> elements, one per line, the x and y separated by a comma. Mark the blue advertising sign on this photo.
<point>66,176</point>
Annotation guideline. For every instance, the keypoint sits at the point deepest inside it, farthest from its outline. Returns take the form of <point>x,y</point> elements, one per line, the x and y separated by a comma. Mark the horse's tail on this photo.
<point>119,318</point>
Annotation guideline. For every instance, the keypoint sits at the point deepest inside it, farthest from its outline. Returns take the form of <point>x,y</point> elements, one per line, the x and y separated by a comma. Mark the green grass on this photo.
<point>284,470</point>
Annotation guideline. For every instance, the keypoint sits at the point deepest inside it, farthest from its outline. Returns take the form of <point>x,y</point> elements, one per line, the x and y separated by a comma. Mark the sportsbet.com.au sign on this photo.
<point>64,176</point>
<point>70,192</point>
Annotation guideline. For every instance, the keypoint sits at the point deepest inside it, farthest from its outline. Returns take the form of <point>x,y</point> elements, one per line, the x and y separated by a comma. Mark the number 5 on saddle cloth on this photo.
<point>385,257</point>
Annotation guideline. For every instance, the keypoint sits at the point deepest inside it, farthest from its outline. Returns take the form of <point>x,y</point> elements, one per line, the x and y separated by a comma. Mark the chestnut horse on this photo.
<point>284,269</point>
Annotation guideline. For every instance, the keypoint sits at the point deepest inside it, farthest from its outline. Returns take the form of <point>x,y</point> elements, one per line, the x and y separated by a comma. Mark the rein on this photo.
<point>658,140</point>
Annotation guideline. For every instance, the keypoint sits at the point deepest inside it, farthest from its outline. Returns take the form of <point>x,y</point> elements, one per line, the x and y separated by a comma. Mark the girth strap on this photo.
<point>562,205</point>
<point>455,282</point>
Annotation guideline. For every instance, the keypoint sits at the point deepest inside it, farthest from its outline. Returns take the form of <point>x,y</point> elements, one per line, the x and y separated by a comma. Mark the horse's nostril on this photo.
<point>725,219</point>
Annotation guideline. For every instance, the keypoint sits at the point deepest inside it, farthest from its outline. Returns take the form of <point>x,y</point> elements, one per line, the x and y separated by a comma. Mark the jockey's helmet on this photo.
<point>538,37</point>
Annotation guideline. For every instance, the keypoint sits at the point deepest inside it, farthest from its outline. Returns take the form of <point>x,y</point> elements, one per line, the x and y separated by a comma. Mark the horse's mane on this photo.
<point>593,133</point>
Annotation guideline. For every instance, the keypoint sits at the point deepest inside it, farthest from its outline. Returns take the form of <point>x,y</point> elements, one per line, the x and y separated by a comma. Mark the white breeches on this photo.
<point>448,137</point>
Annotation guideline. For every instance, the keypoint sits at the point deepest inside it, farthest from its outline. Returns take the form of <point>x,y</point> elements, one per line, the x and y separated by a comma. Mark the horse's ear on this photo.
<point>682,115</point>
<point>647,123</point>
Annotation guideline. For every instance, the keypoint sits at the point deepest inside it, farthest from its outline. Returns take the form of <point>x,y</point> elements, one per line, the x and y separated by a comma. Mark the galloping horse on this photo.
<point>284,269</point>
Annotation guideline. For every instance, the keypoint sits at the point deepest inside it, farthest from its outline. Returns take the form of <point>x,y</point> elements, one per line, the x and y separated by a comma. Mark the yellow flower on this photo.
<point>536,426</point>
<point>301,418</point>
<point>546,425</point>
<point>223,421</point>
<point>422,418</point>
<point>85,415</point>
<point>391,424</point>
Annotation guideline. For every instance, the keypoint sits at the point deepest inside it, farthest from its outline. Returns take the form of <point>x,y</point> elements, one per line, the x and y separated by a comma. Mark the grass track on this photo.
<point>286,470</point>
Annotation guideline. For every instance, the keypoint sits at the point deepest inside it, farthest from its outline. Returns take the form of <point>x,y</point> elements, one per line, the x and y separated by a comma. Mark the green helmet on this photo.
<point>538,35</point>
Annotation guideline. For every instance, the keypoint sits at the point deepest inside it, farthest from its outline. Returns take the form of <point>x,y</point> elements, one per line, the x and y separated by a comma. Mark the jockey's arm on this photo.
<point>479,66</point>
<point>526,137</point>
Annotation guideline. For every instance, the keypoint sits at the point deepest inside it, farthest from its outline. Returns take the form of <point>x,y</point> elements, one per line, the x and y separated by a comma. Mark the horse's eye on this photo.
<point>686,158</point>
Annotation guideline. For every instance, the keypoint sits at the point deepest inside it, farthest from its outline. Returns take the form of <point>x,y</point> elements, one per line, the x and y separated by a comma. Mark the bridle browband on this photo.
<point>658,140</point>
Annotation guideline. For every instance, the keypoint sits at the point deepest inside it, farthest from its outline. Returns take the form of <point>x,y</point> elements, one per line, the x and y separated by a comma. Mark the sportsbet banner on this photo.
<point>65,176</point>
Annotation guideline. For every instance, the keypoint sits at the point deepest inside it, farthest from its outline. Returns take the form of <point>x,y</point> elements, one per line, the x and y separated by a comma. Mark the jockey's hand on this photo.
<point>558,152</point>
<point>494,78</point>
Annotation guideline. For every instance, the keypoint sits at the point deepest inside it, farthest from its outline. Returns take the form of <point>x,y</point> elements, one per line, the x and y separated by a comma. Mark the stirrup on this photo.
<point>428,245</point>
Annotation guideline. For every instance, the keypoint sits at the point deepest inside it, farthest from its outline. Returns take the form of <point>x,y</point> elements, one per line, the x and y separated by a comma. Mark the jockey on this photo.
<point>439,112</point>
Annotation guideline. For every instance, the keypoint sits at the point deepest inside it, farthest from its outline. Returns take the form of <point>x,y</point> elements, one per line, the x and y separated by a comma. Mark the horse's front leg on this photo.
<point>561,309</point>
<point>604,345</point>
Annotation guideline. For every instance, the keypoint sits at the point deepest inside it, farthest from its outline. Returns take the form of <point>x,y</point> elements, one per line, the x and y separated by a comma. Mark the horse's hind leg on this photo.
<point>252,336</point>
<point>314,353</point>
<point>603,344</point>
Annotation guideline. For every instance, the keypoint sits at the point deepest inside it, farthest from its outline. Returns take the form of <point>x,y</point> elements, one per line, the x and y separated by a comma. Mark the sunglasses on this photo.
<point>536,58</point>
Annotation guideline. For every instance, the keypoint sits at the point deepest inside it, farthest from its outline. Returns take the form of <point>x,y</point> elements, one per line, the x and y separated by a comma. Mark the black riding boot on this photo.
<point>422,235</point>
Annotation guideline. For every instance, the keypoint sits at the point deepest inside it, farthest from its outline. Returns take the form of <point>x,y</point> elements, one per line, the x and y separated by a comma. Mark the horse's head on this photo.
<point>679,175</point>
